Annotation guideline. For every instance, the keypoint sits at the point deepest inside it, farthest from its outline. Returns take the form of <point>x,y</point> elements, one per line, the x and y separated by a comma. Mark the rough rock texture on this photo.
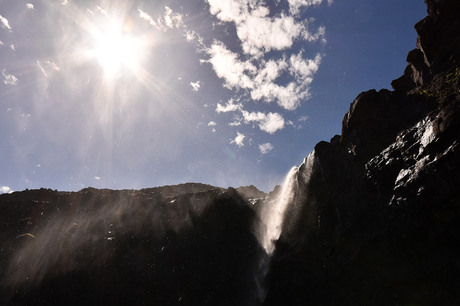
<point>380,208</point>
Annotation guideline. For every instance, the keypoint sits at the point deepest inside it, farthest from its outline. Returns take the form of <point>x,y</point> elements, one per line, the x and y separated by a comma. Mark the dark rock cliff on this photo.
<point>190,244</point>
<point>378,223</point>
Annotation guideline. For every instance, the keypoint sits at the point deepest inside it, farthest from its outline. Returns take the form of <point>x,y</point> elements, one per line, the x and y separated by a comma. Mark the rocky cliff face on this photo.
<point>379,213</point>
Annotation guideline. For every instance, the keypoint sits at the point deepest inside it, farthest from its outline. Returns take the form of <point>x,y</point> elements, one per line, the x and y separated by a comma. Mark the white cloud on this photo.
<point>172,20</point>
<point>295,5</point>
<point>47,67</point>
<point>269,123</point>
<point>229,10</point>
<point>1,43</point>
<point>303,118</point>
<point>169,20</point>
<point>320,34</point>
<point>272,123</point>
<point>9,79</point>
<point>4,23</point>
<point>261,34</point>
<point>304,70</point>
<point>97,178</point>
<point>146,16</point>
<point>235,123</point>
<point>13,47</point>
<point>229,107</point>
<point>5,189</point>
<point>212,123</point>
<point>195,38</point>
<point>239,140</point>
<point>289,96</point>
<point>195,85</point>
<point>270,71</point>
<point>227,66</point>
<point>261,81</point>
<point>265,148</point>
<point>30,6</point>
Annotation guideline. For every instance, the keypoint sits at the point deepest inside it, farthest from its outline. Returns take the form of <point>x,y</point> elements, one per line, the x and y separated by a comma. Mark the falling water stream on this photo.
<point>273,214</point>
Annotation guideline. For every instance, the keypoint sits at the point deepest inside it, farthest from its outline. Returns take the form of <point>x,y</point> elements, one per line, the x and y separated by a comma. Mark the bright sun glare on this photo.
<point>115,47</point>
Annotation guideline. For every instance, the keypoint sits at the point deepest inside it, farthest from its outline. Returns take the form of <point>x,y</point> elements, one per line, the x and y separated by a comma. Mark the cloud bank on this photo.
<point>270,64</point>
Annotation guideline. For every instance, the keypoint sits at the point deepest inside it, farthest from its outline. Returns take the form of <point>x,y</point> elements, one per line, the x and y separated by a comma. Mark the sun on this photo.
<point>116,47</point>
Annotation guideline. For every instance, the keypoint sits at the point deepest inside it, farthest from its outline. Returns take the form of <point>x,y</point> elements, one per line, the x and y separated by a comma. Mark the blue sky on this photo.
<point>133,94</point>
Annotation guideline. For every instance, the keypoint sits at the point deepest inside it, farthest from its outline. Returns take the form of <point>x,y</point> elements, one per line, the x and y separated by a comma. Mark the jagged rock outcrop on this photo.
<point>378,223</point>
<point>250,192</point>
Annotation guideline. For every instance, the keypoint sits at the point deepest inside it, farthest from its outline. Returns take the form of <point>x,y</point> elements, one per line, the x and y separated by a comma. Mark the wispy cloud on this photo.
<point>303,119</point>
<point>229,107</point>
<point>239,140</point>
<point>265,148</point>
<point>195,85</point>
<point>147,17</point>
<point>170,19</point>
<point>30,6</point>
<point>102,11</point>
<point>196,39</point>
<point>295,5</point>
<point>235,123</point>
<point>46,67</point>
<point>9,79</point>
<point>212,124</point>
<point>5,189</point>
<point>5,23</point>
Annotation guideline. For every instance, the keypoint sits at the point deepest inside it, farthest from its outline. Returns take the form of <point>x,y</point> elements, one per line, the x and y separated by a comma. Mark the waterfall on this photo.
<point>272,214</point>
<point>279,214</point>
<point>286,203</point>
